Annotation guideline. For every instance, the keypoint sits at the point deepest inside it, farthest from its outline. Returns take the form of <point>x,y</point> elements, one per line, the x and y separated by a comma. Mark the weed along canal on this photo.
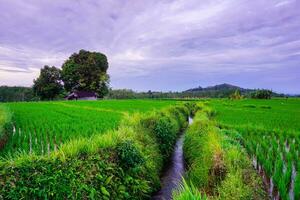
<point>174,171</point>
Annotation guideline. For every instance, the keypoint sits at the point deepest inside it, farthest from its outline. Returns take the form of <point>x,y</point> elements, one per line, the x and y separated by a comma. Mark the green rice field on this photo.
<point>270,131</point>
<point>234,149</point>
<point>41,127</point>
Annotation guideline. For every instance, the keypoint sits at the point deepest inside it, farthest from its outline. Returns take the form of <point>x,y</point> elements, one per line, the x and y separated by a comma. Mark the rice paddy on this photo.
<point>41,127</point>
<point>270,131</point>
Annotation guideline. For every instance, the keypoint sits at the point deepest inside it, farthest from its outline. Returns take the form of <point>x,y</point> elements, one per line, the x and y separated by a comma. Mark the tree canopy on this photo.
<point>86,71</point>
<point>262,94</point>
<point>48,84</point>
<point>15,93</point>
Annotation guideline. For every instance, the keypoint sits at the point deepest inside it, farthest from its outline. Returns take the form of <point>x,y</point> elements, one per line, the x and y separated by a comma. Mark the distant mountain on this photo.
<point>222,90</point>
<point>222,87</point>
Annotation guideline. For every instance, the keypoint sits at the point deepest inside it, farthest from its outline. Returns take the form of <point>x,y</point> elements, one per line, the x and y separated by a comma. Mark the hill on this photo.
<point>221,87</point>
<point>221,90</point>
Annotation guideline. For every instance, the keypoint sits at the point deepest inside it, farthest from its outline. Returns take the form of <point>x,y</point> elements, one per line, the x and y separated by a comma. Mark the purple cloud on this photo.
<point>158,45</point>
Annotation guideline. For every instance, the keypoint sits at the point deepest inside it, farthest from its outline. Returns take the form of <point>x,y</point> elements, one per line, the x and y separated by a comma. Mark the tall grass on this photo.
<point>188,192</point>
<point>217,164</point>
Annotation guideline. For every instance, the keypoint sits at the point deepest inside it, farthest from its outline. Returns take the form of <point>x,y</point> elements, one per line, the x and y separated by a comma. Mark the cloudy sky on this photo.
<point>157,44</point>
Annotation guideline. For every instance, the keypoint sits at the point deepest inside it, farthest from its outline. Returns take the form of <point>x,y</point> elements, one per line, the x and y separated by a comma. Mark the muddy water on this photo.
<point>172,176</point>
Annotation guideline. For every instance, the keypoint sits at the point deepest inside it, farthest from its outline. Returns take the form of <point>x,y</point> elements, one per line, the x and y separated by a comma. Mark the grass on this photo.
<point>274,114</point>
<point>5,118</point>
<point>121,164</point>
<point>218,166</point>
<point>42,127</point>
<point>270,131</point>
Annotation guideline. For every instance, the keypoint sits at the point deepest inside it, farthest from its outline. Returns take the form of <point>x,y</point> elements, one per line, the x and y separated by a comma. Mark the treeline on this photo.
<point>130,94</point>
<point>9,94</point>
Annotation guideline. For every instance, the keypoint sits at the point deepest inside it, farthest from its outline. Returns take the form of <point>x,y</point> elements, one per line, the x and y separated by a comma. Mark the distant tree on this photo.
<point>236,95</point>
<point>150,94</point>
<point>48,85</point>
<point>16,94</point>
<point>122,94</point>
<point>262,94</point>
<point>86,71</point>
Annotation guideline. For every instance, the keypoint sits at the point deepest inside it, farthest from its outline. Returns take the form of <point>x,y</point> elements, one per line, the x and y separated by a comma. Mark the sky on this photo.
<point>165,45</point>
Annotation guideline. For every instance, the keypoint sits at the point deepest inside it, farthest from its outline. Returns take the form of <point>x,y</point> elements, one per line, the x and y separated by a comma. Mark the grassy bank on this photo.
<point>218,167</point>
<point>121,164</point>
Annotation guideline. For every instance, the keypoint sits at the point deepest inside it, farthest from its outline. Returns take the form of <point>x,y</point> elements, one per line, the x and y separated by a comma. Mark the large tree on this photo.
<point>86,71</point>
<point>48,85</point>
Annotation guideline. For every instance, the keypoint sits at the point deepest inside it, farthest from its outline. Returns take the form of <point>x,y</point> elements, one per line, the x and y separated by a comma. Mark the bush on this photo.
<point>262,94</point>
<point>128,155</point>
<point>165,132</point>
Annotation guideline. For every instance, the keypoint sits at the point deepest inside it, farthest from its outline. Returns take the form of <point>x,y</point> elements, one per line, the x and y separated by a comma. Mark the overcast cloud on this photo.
<point>157,44</point>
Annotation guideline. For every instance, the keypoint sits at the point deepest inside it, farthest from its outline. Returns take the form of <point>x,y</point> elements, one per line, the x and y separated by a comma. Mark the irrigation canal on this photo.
<point>172,176</point>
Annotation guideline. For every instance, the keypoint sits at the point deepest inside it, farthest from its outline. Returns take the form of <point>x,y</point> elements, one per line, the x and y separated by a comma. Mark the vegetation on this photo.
<point>262,94</point>
<point>270,133</point>
<point>271,115</point>
<point>121,164</point>
<point>5,124</point>
<point>48,85</point>
<point>42,127</point>
<point>9,94</point>
<point>222,91</point>
<point>86,71</point>
<point>217,91</point>
<point>117,149</point>
<point>236,95</point>
<point>217,165</point>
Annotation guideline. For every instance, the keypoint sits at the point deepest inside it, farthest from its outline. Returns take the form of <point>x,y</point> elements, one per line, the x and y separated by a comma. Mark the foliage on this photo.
<point>128,155</point>
<point>48,85</point>
<point>262,94</point>
<point>217,91</point>
<point>121,94</point>
<point>8,94</point>
<point>236,95</point>
<point>217,164</point>
<point>166,133</point>
<point>86,71</point>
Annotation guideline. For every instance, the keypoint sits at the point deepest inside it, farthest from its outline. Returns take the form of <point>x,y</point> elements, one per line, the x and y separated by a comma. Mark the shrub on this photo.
<point>165,132</point>
<point>236,95</point>
<point>262,94</point>
<point>128,155</point>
